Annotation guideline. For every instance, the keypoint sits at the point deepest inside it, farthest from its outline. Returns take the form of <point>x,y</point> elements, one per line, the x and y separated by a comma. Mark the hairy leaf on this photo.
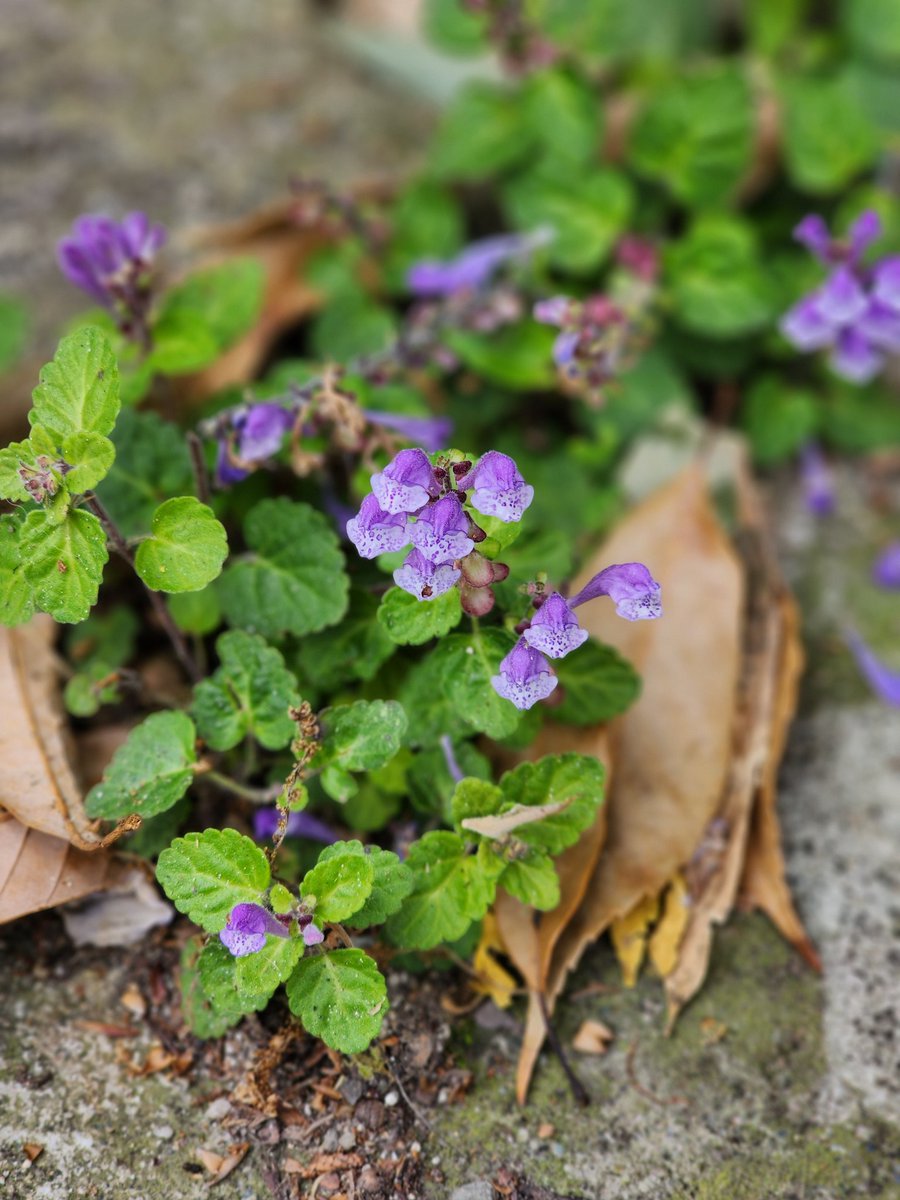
<point>186,548</point>
<point>250,693</point>
<point>150,772</point>
<point>64,562</point>
<point>206,874</point>
<point>340,997</point>
<point>410,622</point>
<point>340,882</point>
<point>78,391</point>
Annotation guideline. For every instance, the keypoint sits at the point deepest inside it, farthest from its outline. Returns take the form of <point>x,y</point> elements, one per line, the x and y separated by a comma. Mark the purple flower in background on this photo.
<point>630,586</point>
<point>886,571</point>
<point>553,311</point>
<point>525,676</point>
<point>431,433</point>
<point>817,480</point>
<point>299,824</point>
<point>554,629</point>
<point>424,579</point>
<point>374,531</point>
<point>856,311</point>
<point>440,532</point>
<point>101,256</point>
<point>499,489</point>
<point>246,930</point>
<point>407,483</point>
<point>257,434</point>
<point>884,681</point>
<point>474,266</point>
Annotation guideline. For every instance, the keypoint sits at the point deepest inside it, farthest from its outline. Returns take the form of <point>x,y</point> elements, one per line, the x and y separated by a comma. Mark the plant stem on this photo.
<point>577,1087</point>
<point>198,462</point>
<point>174,634</point>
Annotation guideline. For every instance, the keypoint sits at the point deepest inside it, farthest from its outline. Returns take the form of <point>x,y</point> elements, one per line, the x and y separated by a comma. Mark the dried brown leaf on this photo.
<point>519,814</point>
<point>593,1037</point>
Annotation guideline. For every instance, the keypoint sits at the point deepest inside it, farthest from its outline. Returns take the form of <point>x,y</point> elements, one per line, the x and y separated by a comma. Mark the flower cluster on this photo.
<point>525,675</point>
<point>249,924</point>
<point>111,261</point>
<point>415,502</point>
<point>855,313</point>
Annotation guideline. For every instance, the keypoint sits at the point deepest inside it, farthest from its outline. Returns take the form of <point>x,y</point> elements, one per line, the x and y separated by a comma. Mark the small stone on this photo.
<point>545,1130</point>
<point>368,1180</point>
<point>522,1134</point>
<point>164,1132</point>
<point>330,1183</point>
<point>391,1099</point>
<point>329,1142</point>
<point>558,1149</point>
<point>370,1113</point>
<point>218,1109</point>
<point>347,1140</point>
<point>480,1189</point>
<point>352,1090</point>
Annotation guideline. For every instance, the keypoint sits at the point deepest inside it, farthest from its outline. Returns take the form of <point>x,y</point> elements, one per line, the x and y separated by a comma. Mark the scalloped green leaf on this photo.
<point>78,391</point>
<point>63,562</point>
<point>250,693</point>
<point>206,874</point>
<point>16,594</point>
<point>152,464</point>
<point>340,997</point>
<point>450,891</point>
<point>150,772</point>
<point>410,622</point>
<point>574,778</point>
<point>90,456</point>
<point>340,882</point>
<point>533,880</point>
<point>186,548</point>
<point>260,973</point>
<point>362,736</point>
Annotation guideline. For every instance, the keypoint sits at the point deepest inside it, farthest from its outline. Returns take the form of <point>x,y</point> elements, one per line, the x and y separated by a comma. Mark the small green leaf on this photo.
<point>64,562</point>
<point>78,391</point>
<point>481,135</point>
<point>203,1020</point>
<point>564,115</point>
<point>13,330</point>
<point>206,314</point>
<point>362,736</point>
<point>83,697</point>
<point>150,772</point>
<point>90,455</point>
<point>280,899</point>
<point>206,874</point>
<point>293,580</point>
<point>16,595</point>
<point>431,785</point>
<point>392,884</point>
<point>475,798</point>
<point>596,684</point>
<point>12,457</point>
<point>339,784</point>
<point>449,892</point>
<point>250,693</point>
<point>152,464</point>
<point>409,622</point>
<point>575,778</point>
<point>350,326</point>
<point>516,356</point>
<point>533,880</point>
<point>353,649</point>
<point>340,882</point>
<point>196,612</point>
<point>211,994</point>
<point>340,997</point>
<point>473,660</point>
<point>828,139</point>
<point>186,547</point>
<point>261,972</point>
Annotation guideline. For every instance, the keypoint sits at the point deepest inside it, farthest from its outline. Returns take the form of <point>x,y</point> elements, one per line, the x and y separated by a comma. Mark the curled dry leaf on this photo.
<point>519,814</point>
<point>593,1037</point>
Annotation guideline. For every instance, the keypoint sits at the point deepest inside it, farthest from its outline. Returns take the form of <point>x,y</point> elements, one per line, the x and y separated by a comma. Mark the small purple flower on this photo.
<point>817,480</point>
<point>440,531</point>
<point>499,489</point>
<point>431,433</point>
<point>312,935</point>
<point>525,676</point>
<point>553,311</point>
<point>631,587</point>
<point>457,774</point>
<point>423,579</point>
<point>407,483</point>
<point>886,283</point>
<point>374,531</point>
<point>474,266</point>
<point>257,434</point>
<point>886,571</point>
<point>564,346</point>
<point>299,824</point>
<point>884,681</point>
<point>246,930</point>
<point>104,258</point>
<point>554,629</point>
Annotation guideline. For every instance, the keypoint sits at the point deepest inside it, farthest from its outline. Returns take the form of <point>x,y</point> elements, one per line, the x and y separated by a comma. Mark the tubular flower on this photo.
<point>525,676</point>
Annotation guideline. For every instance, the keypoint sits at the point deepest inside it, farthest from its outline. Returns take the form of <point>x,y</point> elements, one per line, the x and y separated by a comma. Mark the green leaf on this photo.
<point>351,325</point>
<point>475,798</point>
<point>210,996</point>
<point>778,417</point>
<point>828,140</point>
<point>206,874</point>
<point>293,580</point>
<point>471,661</point>
<point>517,356</point>
<point>340,882</point>
<point>773,23</point>
<point>156,833</point>
<point>107,637</point>
<point>339,784</point>
<point>150,772</point>
<point>533,880</point>
<point>152,464</point>
<point>695,135</point>
<point>449,892</point>
<point>250,693</point>
<point>90,455</point>
<point>12,457</point>
<point>209,311</point>
<point>587,212</point>
<point>16,595</point>
<point>873,27</point>
<point>392,884</point>
<point>260,973</point>
<point>340,997</point>
<point>354,649</point>
<point>362,736</point>
<point>575,778</point>
<point>182,343</point>
<point>78,391</point>
<point>565,116</point>
<point>13,330</point>
<point>426,702</point>
<point>719,286</point>
<point>453,28</point>
<point>482,134</point>
<point>83,697</point>
<point>596,685</point>
<point>63,563</point>
<point>409,622</point>
<point>186,547</point>
<point>196,612</point>
<point>426,223</point>
<point>431,786</point>
<point>858,419</point>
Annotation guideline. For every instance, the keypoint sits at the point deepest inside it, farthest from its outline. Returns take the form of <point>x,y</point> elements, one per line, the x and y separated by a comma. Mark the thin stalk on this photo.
<point>174,634</point>
<point>198,462</point>
<point>255,795</point>
<point>577,1087</point>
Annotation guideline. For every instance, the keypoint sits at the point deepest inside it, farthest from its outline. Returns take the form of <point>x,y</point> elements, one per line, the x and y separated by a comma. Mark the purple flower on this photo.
<point>431,433</point>
<point>424,579</point>
<point>554,629</point>
<point>884,681</point>
<point>553,311</point>
<point>407,483</point>
<point>886,283</point>
<point>817,480</point>
<point>257,435</point>
<point>104,258</point>
<point>886,571</point>
<point>473,267</point>
<point>299,824</point>
<point>564,346</point>
<point>525,676</point>
<point>499,489</point>
<point>246,930</point>
<point>374,531</point>
<point>312,935</point>
<point>455,770</point>
<point>630,586</point>
<point>440,531</point>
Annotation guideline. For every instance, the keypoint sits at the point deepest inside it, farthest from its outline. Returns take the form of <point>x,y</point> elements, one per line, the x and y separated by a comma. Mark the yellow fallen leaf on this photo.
<point>630,934</point>
<point>666,937</point>
<point>493,978</point>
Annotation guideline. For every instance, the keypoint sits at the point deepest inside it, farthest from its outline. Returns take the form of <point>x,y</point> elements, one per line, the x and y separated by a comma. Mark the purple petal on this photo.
<point>552,311</point>
<point>453,767</point>
<point>564,347</point>
<point>554,629</point>
<point>864,230</point>
<point>312,935</point>
<point>500,491</point>
<point>473,267</point>
<point>227,471</point>
<point>406,484</point>
<point>262,431</point>
<point>440,532</point>
<point>880,325</point>
<point>855,358</point>
<point>630,586</point>
<point>841,299</point>
<point>525,677</point>
<point>887,283</point>
<point>812,232</point>
<point>374,531</point>
<point>299,824</point>
<point>247,927</point>
<point>431,433</point>
<point>423,579</point>
<point>886,571</point>
<point>818,482</point>
<point>806,327</point>
<point>884,682</point>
